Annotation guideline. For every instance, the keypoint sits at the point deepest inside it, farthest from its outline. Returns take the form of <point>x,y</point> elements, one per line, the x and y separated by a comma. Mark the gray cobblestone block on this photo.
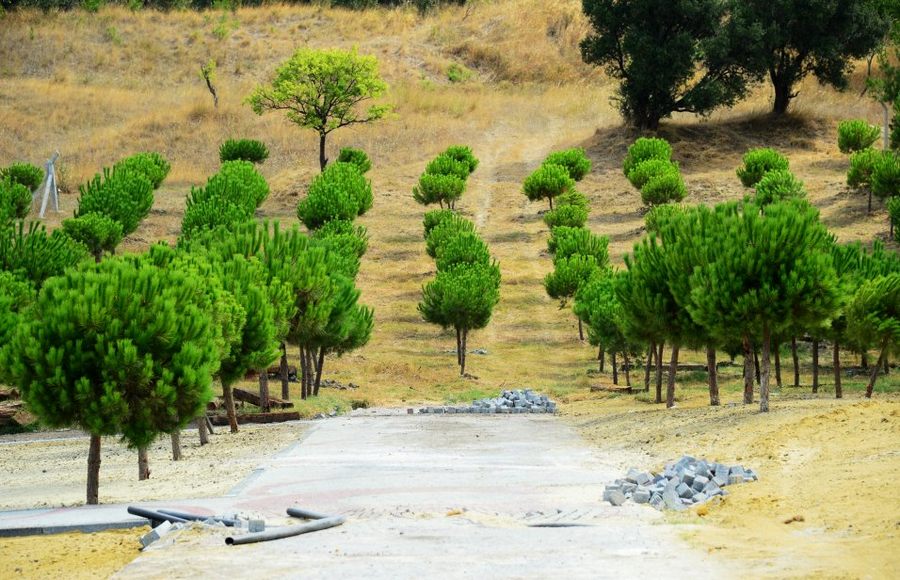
<point>721,470</point>
<point>629,487</point>
<point>737,470</point>
<point>156,533</point>
<point>672,501</point>
<point>721,480</point>
<point>632,475</point>
<point>688,477</point>
<point>700,498</point>
<point>733,479</point>
<point>700,483</point>
<point>710,487</point>
<point>256,526</point>
<point>684,490</point>
<point>616,498</point>
<point>644,478</point>
<point>703,468</point>
<point>656,501</point>
<point>641,495</point>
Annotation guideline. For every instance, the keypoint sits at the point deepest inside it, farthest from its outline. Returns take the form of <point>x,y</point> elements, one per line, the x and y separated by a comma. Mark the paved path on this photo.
<point>438,496</point>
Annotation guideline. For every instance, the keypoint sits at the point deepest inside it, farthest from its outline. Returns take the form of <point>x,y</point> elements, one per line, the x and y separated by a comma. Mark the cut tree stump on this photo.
<point>279,417</point>
<point>14,413</point>
<point>253,399</point>
<point>612,389</point>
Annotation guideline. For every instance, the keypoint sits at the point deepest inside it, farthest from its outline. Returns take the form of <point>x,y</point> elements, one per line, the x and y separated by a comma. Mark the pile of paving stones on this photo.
<point>509,402</point>
<point>684,483</point>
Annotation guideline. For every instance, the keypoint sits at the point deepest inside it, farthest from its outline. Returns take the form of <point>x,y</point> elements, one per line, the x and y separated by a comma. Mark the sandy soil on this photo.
<point>823,506</point>
<point>40,471</point>
<point>97,555</point>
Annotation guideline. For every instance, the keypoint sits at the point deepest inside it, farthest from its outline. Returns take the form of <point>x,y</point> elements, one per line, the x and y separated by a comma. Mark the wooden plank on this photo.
<point>275,417</point>
<point>254,399</point>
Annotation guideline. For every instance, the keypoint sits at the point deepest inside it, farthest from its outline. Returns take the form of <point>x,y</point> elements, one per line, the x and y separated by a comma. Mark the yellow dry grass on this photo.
<point>98,87</point>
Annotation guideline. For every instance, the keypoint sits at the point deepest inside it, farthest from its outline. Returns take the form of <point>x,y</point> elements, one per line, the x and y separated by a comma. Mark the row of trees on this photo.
<point>745,277</point>
<point>466,287</point>
<point>696,56</point>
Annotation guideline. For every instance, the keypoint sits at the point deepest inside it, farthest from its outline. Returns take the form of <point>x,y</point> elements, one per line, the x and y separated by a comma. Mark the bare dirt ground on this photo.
<point>41,472</point>
<point>822,507</point>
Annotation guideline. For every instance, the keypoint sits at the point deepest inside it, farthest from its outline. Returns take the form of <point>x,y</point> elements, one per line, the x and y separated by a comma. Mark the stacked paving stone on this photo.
<point>684,483</point>
<point>509,402</point>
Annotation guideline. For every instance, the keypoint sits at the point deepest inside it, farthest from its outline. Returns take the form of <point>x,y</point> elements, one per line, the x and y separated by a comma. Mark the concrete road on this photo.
<point>453,496</point>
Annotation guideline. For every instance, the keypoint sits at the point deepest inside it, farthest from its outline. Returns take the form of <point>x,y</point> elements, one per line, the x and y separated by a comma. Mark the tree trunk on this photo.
<point>176,445</point>
<point>304,378</point>
<point>885,128</point>
<point>93,472</point>
<point>650,351</point>
<point>764,379</point>
<point>815,366</point>
<point>885,365</point>
<point>285,381</point>
<point>264,389</point>
<point>659,366</point>
<point>864,360</point>
<point>777,348</point>
<point>602,357</point>
<point>796,361</point>
<point>627,370</point>
<point>580,331</point>
<point>201,429</point>
<point>756,365</point>
<point>323,161</point>
<point>229,407</point>
<point>320,362</point>
<point>550,199</point>
<point>836,360</point>
<point>458,347</point>
<point>874,374</point>
<point>748,372</point>
<point>713,374</point>
<point>462,366</point>
<point>615,369</point>
<point>783,94</point>
<point>869,206</point>
<point>673,368</point>
<point>143,464</point>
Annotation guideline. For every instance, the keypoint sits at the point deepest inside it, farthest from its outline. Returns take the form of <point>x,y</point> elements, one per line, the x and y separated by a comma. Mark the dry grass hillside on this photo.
<point>100,86</point>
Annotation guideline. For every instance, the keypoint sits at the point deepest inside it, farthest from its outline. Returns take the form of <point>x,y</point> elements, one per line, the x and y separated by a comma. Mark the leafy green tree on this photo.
<point>650,168</point>
<point>15,200</point>
<point>24,174</point>
<point>859,176</point>
<point>758,162</point>
<point>546,182</point>
<point>855,135</point>
<point>597,305</point>
<point>151,165</point>
<point>435,218</point>
<point>574,160</point>
<point>778,185</point>
<point>243,150</point>
<point>445,164</point>
<point>31,254</point>
<point>662,188</point>
<point>124,195</point>
<point>120,348</point>
<point>463,153</point>
<point>786,40</point>
<point>16,295</point>
<point>567,241</point>
<point>571,216</point>
<point>644,149</point>
<point>440,189</point>
<point>893,207</point>
<point>340,192</point>
<point>445,230</point>
<point>323,90</point>
<point>668,57</point>
<point>873,318</point>
<point>568,275</point>
<point>886,176</point>
<point>99,233</point>
<point>355,157</point>
<point>462,298</point>
<point>773,270</point>
<point>464,248</point>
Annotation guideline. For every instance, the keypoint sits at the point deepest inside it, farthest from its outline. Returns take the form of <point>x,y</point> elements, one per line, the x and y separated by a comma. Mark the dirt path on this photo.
<point>451,496</point>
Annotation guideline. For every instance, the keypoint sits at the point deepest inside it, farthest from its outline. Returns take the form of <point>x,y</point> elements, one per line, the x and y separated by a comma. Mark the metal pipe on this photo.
<point>306,514</point>
<point>285,531</point>
<point>197,518</point>
<point>155,517</point>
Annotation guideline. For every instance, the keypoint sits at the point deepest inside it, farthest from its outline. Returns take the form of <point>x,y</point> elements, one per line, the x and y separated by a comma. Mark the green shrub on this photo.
<point>352,239</point>
<point>122,194</point>
<point>663,188</point>
<point>778,185</point>
<point>437,188</point>
<point>567,241</point>
<point>99,233</point>
<point>457,73</point>
<point>444,164</point>
<point>759,161</point>
<point>546,182</point>
<point>573,197</point>
<point>15,200</point>
<point>862,163</point>
<point>574,160</point>
<point>240,179</point>
<point>340,192</point>
<point>435,218</point>
<point>856,135</point>
<point>243,150</point>
<point>209,214</point>
<point>658,214</point>
<point>463,248</point>
<point>33,255</point>
<point>646,148</point>
<point>445,230</point>
<point>571,216</point>
<point>151,165</point>
<point>886,176</point>
<point>893,207</point>
<point>355,157</point>
<point>464,154</point>
<point>31,176</point>
<point>643,171</point>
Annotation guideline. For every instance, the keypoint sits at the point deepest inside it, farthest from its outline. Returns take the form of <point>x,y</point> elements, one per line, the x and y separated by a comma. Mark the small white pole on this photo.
<point>50,189</point>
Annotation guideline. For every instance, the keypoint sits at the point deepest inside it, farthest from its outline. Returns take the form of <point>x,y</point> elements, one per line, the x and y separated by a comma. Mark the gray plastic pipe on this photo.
<point>196,518</point>
<point>285,531</point>
<point>155,516</point>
